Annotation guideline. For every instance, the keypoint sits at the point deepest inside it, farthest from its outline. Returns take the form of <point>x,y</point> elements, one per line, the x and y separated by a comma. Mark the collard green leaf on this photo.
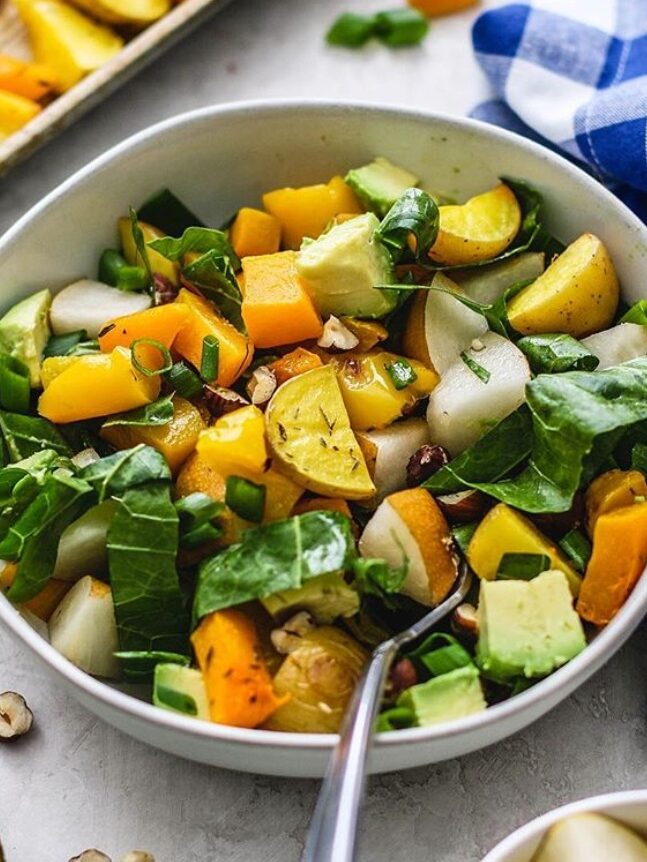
<point>555,353</point>
<point>375,577</point>
<point>34,538</point>
<point>198,240</point>
<point>142,547</point>
<point>167,212</point>
<point>496,454</point>
<point>129,468</point>
<point>139,665</point>
<point>272,558</point>
<point>27,435</point>
<point>213,273</point>
<point>160,412</point>
<point>415,212</point>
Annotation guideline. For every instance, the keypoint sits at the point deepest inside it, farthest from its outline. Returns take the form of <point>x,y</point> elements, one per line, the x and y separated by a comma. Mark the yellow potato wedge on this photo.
<point>577,294</point>
<point>309,432</point>
<point>477,230</point>
<point>139,13</point>
<point>15,112</point>
<point>67,41</point>
<point>158,262</point>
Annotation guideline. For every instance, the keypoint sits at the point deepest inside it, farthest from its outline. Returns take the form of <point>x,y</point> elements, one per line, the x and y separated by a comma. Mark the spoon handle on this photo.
<point>333,830</point>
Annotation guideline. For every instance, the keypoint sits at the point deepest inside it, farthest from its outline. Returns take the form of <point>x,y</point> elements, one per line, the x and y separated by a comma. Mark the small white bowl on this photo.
<point>218,159</point>
<point>629,807</point>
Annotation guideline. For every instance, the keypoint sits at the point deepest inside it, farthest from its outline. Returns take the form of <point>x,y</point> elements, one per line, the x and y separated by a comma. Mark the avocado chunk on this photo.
<point>326,597</point>
<point>24,332</point>
<point>451,695</point>
<point>527,628</point>
<point>379,184</point>
<point>343,267</point>
<point>180,689</point>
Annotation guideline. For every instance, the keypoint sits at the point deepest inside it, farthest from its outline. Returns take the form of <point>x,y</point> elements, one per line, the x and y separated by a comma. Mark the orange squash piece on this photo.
<point>161,323</point>
<point>255,232</point>
<point>277,308</point>
<point>31,80</point>
<point>238,682</point>
<point>306,211</point>
<point>619,558</point>
<point>236,351</point>
<point>294,363</point>
<point>45,603</point>
<point>435,8</point>
<point>613,490</point>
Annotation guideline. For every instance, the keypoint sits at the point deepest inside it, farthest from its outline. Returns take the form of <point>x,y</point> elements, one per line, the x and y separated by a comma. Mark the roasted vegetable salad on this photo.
<point>237,459</point>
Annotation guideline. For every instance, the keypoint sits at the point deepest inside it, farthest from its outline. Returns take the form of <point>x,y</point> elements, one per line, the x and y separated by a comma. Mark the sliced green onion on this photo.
<point>157,345</point>
<point>446,659</point>
<point>185,382</point>
<point>482,373</point>
<point>82,348</point>
<point>578,548</point>
<point>210,358</point>
<point>396,718</point>
<point>398,27</point>
<point>245,498</point>
<point>15,389</point>
<point>197,509</point>
<point>175,699</point>
<point>200,536</point>
<point>351,30</point>
<point>522,567</point>
<point>463,533</point>
<point>401,373</point>
<point>132,278</point>
<point>60,345</point>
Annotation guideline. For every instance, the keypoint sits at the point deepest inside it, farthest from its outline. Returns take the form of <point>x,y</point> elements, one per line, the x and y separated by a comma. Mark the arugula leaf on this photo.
<point>578,419</point>
<point>555,353</point>
<point>415,212</point>
<point>168,213</point>
<point>376,578</point>
<point>126,469</point>
<point>35,536</point>
<point>198,240</point>
<point>272,558</point>
<point>498,452</point>
<point>522,566</point>
<point>160,412</point>
<point>214,274</point>
<point>142,547</point>
<point>27,435</point>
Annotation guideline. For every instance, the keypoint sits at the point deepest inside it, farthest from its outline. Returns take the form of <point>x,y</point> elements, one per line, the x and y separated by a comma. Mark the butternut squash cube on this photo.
<point>255,232</point>
<point>613,490</point>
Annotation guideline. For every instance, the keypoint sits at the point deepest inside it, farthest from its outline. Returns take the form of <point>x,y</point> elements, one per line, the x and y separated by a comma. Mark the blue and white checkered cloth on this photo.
<point>573,73</point>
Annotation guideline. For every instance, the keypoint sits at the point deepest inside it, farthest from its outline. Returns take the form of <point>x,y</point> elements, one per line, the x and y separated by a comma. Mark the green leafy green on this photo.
<point>140,245</point>
<point>116,473</point>
<point>15,388</point>
<point>522,567</point>
<point>375,577</point>
<point>214,274</point>
<point>167,212</point>
<point>401,373</point>
<point>274,557</point>
<point>198,240</point>
<point>415,212</point>
<point>160,412</point>
<point>639,457</point>
<point>27,435</point>
<point>577,547</point>
<point>496,454</point>
<point>555,353</point>
<point>636,314</point>
<point>462,535</point>
<point>34,537</point>
<point>245,498</point>
<point>142,547</point>
<point>182,380</point>
<point>60,345</point>
<point>199,516</point>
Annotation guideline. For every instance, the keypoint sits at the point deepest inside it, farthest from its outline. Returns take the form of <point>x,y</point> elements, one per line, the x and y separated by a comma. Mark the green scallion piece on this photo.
<point>210,359</point>
<point>401,373</point>
<point>200,536</point>
<point>183,380</point>
<point>110,263</point>
<point>164,352</point>
<point>446,659</point>
<point>15,389</point>
<point>245,498</point>
<point>482,373</point>
<point>396,718</point>
<point>61,345</point>
<point>351,30</point>
<point>400,27</point>
<point>197,509</point>
<point>577,547</point>
<point>463,533</point>
<point>522,567</point>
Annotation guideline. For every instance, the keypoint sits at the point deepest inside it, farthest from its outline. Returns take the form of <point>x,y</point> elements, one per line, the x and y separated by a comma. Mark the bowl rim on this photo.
<point>605,803</point>
<point>570,676</point>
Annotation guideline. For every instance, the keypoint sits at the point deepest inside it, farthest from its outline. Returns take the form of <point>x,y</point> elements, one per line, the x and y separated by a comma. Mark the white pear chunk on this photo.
<point>82,548</point>
<point>84,630</point>
<point>38,625</point>
<point>617,345</point>
<point>590,837</point>
<point>387,452</point>
<point>463,406</point>
<point>486,284</point>
<point>89,305</point>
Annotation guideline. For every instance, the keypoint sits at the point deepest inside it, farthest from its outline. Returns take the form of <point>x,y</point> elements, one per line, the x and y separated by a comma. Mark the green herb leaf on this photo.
<point>15,388</point>
<point>375,577</point>
<point>400,27</point>
<point>83,348</point>
<point>351,30</point>
<point>401,373</point>
<point>199,240</point>
<point>462,535</point>
<point>142,547</point>
<point>182,380</point>
<point>482,373</point>
<point>522,567</point>
<point>554,354</point>
<point>396,718</point>
<point>167,212</point>
<point>636,314</point>
<point>34,538</point>
<point>210,359</point>
<point>27,435</point>
<point>274,557</point>
<point>115,474</point>
<point>60,345</point>
<point>160,412</point>
<point>214,274</point>
<point>245,498</point>
<point>415,212</point>
<point>578,548</point>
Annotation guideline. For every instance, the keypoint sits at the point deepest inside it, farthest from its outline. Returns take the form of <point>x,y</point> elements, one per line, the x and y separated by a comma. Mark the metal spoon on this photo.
<point>333,829</point>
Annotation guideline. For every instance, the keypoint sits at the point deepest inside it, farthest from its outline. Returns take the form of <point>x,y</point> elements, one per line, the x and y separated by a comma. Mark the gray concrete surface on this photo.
<point>77,783</point>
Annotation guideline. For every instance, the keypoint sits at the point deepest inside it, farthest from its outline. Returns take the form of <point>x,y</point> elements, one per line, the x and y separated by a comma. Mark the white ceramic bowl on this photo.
<point>216,160</point>
<point>629,807</point>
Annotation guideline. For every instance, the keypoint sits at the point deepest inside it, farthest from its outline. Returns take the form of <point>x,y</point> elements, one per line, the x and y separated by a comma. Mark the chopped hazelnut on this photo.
<point>424,462</point>
<point>138,856</point>
<point>261,385</point>
<point>16,718</point>
<point>91,856</point>
<point>287,638</point>
<point>465,620</point>
<point>336,336</point>
<point>221,401</point>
